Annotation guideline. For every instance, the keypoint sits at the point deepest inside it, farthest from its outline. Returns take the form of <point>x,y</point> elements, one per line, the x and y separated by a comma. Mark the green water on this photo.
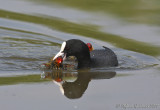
<point>31,32</point>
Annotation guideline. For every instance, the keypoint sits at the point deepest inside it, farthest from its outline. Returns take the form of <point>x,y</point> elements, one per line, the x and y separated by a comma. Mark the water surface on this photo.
<point>31,32</point>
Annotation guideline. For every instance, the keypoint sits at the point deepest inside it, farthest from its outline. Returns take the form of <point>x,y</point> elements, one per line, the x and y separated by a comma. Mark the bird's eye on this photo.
<point>66,48</point>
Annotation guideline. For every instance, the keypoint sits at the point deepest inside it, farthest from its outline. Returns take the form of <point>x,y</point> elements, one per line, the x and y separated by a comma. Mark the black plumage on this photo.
<point>103,57</point>
<point>96,58</point>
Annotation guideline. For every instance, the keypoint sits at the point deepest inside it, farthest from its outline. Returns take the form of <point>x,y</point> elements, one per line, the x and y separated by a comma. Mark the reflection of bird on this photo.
<point>95,58</point>
<point>74,84</point>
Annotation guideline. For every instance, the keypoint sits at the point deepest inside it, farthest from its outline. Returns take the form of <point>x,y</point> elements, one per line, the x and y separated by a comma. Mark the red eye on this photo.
<point>90,46</point>
<point>67,48</point>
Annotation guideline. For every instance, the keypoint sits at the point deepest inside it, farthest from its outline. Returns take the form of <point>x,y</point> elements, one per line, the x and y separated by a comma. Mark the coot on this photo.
<point>86,59</point>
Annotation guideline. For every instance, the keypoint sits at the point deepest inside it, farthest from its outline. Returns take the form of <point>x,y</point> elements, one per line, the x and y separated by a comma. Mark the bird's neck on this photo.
<point>84,61</point>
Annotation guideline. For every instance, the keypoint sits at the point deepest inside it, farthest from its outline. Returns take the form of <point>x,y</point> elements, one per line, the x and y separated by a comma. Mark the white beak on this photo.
<point>61,53</point>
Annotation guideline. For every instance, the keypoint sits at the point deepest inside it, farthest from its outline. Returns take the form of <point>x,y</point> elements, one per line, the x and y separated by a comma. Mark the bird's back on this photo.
<point>103,57</point>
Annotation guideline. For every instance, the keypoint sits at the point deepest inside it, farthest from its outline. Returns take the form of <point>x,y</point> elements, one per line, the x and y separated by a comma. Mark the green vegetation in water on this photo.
<point>141,11</point>
<point>123,75</point>
<point>21,79</point>
<point>31,41</point>
<point>85,30</point>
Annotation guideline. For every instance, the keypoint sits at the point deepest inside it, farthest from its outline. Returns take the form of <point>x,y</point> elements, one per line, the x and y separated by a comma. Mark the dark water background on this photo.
<point>31,32</point>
